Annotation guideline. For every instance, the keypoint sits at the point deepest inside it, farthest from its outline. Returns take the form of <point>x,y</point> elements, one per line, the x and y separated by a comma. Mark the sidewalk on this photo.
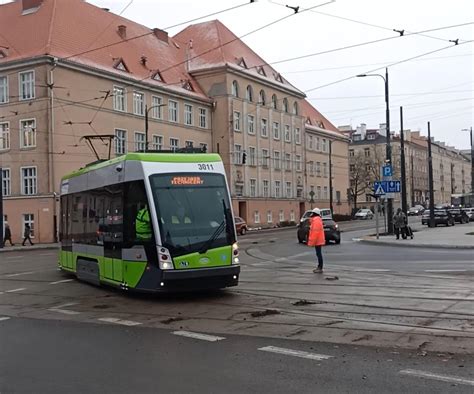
<point>18,247</point>
<point>438,237</point>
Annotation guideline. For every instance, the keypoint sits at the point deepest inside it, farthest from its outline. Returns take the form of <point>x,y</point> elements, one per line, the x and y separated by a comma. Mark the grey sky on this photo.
<point>437,87</point>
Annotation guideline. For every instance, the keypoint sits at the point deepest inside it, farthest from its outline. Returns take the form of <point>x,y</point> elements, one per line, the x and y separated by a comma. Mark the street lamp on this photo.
<point>146,121</point>
<point>388,151</point>
<point>472,164</point>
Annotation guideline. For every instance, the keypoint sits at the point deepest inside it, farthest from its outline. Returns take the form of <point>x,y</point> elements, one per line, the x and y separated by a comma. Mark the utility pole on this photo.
<point>330,177</point>
<point>146,121</point>
<point>412,181</point>
<point>431,222</point>
<point>1,208</point>
<point>402,164</point>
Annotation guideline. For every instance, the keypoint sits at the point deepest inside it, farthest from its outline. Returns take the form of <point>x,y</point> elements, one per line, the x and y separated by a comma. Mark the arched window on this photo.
<point>249,93</point>
<point>285,105</point>
<point>295,108</point>
<point>235,89</point>
<point>274,101</point>
<point>261,97</point>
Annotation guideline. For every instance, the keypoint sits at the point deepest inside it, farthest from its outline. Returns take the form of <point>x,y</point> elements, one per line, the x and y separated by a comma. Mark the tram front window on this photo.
<point>193,211</point>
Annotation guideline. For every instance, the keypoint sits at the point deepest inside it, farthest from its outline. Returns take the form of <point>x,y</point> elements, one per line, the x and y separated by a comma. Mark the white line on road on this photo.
<point>445,270</point>
<point>371,270</point>
<point>196,335</point>
<point>64,311</point>
<point>295,353</point>
<point>61,281</point>
<point>4,318</point>
<point>47,254</point>
<point>15,257</point>
<point>444,378</point>
<point>65,305</point>
<point>15,290</point>
<point>119,321</point>
<point>19,274</point>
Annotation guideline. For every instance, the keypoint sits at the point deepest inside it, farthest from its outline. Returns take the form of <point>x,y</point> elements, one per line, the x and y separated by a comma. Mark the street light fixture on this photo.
<point>146,121</point>
<point>388,151</point>
<point>472,165</point>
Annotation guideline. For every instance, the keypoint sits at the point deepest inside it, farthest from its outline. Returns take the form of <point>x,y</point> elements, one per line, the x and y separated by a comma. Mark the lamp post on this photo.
<point>146,121</point>
<point>388,149</point>
<point>472,164</point>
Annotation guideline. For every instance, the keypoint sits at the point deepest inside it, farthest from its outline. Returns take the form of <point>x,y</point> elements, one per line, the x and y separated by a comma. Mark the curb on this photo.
<point>28,248</point>
<point>412,245</point>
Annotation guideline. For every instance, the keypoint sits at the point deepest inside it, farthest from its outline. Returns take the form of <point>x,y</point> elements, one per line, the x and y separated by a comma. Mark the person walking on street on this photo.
<point>316,237</point>
<point>400,223</point>
<point>8,235</point>
<point>27,234</point>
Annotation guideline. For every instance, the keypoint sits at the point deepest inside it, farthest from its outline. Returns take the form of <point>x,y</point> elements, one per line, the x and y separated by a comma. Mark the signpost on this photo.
<point>384,189</point>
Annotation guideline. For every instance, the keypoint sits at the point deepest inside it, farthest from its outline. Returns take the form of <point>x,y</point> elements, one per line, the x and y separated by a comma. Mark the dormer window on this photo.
<point>241,63</point>
<point>157,76</point>
<point>3,54</point>
<point>308,121</point>
<point>120,65</point>
<point>261,71</point>
<point>188,86</point>
<point>279,78</point>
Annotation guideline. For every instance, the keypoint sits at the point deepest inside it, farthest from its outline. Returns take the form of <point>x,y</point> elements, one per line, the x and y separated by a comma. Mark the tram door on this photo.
<point>113,233</point>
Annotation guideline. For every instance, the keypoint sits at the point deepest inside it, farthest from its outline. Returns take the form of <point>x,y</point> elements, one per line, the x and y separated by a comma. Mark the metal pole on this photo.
<point>146,127</point>
<point>330,177</point>
<point>377,217</point>
<point>412,181</point>
<point>472,169</point>
<point>430,180</point>
<point>1,208</point>
<point>388,154</point>
<point>402,164</point>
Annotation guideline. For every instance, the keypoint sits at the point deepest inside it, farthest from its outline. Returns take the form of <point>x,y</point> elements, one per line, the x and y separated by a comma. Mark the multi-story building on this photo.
<point>63,76</point>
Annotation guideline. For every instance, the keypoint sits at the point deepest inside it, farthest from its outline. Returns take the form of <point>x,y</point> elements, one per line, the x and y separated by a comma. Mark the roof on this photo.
<point>315,118</point>
<point>150,157</point>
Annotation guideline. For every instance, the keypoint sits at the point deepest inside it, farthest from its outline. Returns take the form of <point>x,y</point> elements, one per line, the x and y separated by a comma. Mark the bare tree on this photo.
<point>358,176</point>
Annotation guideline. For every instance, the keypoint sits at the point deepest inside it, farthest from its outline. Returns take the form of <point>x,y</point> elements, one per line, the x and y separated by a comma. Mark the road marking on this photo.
<point>47,254</point>
<point>19,274</point>
<point>64,311</point>
<point>15,257</point>
<point>61,281</point>
<point>196,335</point>
<point>15,290</point>
<point>4,318</point>
<point>65,305</point>
<point>371,270</point>
<point>445,270</point>
<point>295,353</point>
<point>119,321</point>
<point>444,378</point>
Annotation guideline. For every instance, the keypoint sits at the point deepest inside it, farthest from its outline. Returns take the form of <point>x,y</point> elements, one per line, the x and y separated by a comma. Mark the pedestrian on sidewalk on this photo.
<point>400,224</point>
<point>316,237</point>
<point>8,235</point>
<point>27,234</point>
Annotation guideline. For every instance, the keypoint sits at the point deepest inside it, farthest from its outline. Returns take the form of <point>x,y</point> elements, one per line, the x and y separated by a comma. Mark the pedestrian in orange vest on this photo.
<point>316,237</point>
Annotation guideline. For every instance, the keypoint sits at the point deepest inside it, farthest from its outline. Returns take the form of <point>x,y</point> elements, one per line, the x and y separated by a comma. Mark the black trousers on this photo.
<point>27,238</point>
<point>319,255</point>
<point>8,239</point>
<point>402,231</point>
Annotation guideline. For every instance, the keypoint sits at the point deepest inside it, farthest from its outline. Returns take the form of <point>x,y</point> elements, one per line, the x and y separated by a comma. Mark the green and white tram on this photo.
<point>150,222</point>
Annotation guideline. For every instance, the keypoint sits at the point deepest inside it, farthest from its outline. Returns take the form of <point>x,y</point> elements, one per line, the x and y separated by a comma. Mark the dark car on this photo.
<point>416,210</point>
<point>331,231</point>
<point>441,216</point>
<point>459,215</point>
<point>240,225</point>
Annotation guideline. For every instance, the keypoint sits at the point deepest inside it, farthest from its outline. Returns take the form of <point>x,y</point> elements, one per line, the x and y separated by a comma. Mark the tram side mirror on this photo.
<point>119,168</point>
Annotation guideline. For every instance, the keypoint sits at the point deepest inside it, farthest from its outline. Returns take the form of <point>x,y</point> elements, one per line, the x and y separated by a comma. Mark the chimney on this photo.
<point>161,34</point>
<point>122,31</point>
<point>29,6</point>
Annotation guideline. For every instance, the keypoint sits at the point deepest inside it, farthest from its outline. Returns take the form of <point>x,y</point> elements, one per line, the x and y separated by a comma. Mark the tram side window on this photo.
<point>78,217</point>
<point>136,202</point>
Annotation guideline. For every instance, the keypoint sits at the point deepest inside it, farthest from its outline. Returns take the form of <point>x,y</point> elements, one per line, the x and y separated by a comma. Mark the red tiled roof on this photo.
<point>316,118</point>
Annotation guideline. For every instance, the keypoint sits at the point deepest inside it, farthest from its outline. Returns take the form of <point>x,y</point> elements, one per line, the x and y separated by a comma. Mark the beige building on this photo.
<point>63,77</point>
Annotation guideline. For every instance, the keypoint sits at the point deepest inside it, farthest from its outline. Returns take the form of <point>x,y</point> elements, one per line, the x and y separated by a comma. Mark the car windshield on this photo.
<point>190,209</point>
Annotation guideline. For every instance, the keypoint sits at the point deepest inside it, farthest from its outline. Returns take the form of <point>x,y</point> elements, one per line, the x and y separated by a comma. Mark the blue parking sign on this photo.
<point>387,170</point>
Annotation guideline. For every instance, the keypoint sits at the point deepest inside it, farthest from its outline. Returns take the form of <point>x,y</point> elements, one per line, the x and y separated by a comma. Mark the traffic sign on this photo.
<point>378,189</point>
<point>387,170</point>
<point>384,187</point>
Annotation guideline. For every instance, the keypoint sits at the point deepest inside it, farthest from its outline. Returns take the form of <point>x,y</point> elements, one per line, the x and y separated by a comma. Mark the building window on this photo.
<point>324,145</point>
<point>269,217</point>
<point>236,121</point>
<point>139,141</point>
<point>157,107</point>
<point>338,197</point>
<point>310,142</point>
<point>203,147</point>
<point>285,104</point>
<point>239,190</point>
<point>6,182</point>
<point>138,103</point>
<point>292,216</point>
<point>249,93</point>
<point>298,162</point>
<point>351,152</point>
<point>3,90</point>
<point>352,167</point>
<point>318,168</point>
<point>253,188</point>
<point>263,128</point>
<point>157,142</point>
<point>28,133</point>
<point>367,152</point>
<point>288,190</point>
<point>174,144</point>
<point>252,156</point>
<point>276,158</point>
<point>119,99</point>
<point>295,108</point>
<point>29,219</point>
<point>274,101</point>
<point>4,136</point>
<point>172,111</point>
<point>28,181</point>
<point>288,161</point>
<point>297,136</point>
<point>237,154</point>
<point>256,217</point>
<point>261,97</point>
<point>276,130</point>
<point>188,114</point>
<point>27,85</point>
<point>277,189</point>
<point>287,133</point>
<point>325,193</point>
<point>188,144</point>
<point>318,193</point>
<point>311,168</point>
<point>265,158</point>
<point>325,170</point>
<point>120,142</point>
<point>265,188</point>
<point>235,89</point>
<point>299,192</point>
<point>203,118</point>
<point>281,216</point>
<point>250,124</point>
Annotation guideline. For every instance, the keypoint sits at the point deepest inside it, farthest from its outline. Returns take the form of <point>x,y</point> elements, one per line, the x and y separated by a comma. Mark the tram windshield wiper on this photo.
<point>205,247</point>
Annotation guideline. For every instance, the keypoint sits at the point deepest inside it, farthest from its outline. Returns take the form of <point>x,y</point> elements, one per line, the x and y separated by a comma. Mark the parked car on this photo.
<point>441,216</point>
<point>331,231</point>
<point>240,225</point>
<point>469,213</point>
<point>459,215</point>
<point>416,210</point>
<point>364,214</point>
<point>325,214</point>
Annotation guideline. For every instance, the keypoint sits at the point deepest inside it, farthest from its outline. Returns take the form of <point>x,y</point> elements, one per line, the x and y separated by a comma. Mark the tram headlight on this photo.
<point>164,259</point>
<point>235,254</point>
